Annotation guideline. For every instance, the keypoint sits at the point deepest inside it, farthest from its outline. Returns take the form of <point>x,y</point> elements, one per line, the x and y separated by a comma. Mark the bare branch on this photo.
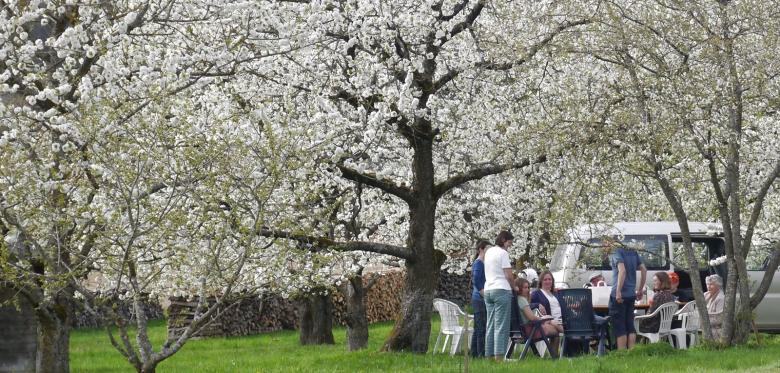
<point>758,204</point>
<point>477,173</point>
<point>769,273</point>
<point>388,186</point>
<point>316,244</point>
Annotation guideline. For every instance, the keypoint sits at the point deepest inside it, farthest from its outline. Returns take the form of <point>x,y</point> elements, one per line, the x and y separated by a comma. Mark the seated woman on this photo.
<point>715,300</point>
<point>551,328</point>
<point>663,295</point>
<point>547,296</point>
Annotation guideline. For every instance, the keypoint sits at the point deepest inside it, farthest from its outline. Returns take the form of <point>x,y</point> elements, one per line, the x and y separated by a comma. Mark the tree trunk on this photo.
<point>148,369</point>
<point>357,321</point>
<point>316,320</point>
<point>413,325</point>
<point>53,339</point>
<point>743,313</point>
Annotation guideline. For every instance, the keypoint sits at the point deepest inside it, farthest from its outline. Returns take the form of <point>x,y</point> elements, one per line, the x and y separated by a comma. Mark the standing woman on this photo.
<point>499,281</point>
<point>478,301</point>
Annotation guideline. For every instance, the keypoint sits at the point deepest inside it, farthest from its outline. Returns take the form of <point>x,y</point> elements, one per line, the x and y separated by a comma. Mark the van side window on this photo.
<point>702,255</point>
<point>652,248</point>
<point>593,256</point>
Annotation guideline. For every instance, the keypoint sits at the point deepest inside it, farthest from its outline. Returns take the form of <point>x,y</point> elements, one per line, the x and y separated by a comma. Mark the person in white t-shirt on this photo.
<point>499,282</point>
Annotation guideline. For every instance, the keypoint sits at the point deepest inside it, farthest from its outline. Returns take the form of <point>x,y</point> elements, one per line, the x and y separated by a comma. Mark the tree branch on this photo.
<point>758,204</point>
<point>477,173</point>
<point>316,244</point>
<point>769,274</point>
<point>532,51</point>
<point>388,186</point>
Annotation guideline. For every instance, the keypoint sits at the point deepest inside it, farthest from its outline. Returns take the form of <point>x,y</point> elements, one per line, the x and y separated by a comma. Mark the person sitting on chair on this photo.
<point>551,327</point>
<point>595,280</point>
<point>663,295</point>
<point>715,300</point>
<point>547,296</point>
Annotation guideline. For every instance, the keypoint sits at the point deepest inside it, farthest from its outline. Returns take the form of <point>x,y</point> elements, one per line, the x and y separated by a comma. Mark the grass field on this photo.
<point>280,352</point>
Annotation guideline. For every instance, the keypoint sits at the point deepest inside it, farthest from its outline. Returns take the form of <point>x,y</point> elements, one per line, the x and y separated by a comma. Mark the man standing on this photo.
<point>625,262</point>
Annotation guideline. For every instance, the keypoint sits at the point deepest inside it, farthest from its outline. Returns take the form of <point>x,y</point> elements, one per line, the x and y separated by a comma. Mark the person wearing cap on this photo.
<point>594,280</point>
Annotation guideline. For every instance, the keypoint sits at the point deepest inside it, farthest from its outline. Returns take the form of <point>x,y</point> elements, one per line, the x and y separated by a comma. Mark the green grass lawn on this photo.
<point>280,352</point>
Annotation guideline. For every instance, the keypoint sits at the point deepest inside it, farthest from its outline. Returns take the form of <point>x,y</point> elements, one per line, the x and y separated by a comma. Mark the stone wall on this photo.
<point>455,288</point>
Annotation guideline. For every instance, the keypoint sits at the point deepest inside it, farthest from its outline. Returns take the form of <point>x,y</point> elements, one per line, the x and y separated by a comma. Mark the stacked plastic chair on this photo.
<point>453,324</point>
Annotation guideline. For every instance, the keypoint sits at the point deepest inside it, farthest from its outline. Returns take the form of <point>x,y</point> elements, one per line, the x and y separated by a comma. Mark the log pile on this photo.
<point>244,316</point>
<point>383,299</point>
<point>252,315</point>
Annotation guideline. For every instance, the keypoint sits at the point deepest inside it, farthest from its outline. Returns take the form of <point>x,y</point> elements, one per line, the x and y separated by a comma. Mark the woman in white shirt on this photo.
<point>499,281</point>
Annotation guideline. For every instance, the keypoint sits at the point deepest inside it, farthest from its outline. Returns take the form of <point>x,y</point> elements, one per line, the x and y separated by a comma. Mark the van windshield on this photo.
<point>557,262</point>
<point>653,249</point>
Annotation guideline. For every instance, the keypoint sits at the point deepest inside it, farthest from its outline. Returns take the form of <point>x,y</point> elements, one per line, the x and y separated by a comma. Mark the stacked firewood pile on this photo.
<point>252,315</point>
<point>244,316</point>
<point>383,299</point>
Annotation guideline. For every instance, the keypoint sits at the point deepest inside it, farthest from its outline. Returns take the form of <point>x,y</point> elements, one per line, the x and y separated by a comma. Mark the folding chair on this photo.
<point>527,334</point>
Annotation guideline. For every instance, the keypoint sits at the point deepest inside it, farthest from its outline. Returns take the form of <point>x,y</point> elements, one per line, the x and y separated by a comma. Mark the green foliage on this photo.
<point>280,352</point>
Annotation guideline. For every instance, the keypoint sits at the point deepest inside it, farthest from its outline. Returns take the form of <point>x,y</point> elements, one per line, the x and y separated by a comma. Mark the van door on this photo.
<point>706,248</point>
<point>767,314</point>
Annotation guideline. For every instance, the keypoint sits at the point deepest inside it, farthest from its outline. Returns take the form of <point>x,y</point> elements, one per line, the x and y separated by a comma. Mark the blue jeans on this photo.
<point>480,322</point>
<point>498,303</point>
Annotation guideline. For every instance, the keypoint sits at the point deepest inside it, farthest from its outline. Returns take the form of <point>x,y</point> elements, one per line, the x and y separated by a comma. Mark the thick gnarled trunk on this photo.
<point>413,325</point>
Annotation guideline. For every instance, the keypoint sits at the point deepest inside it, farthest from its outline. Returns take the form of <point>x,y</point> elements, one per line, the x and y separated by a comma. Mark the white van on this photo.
<point>660,246</point>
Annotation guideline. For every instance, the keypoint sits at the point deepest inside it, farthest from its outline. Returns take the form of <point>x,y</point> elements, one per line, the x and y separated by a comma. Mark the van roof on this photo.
<point>631,228</point>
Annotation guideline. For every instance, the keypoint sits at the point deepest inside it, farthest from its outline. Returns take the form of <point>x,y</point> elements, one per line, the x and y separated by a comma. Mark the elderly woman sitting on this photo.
<point>715,299</point>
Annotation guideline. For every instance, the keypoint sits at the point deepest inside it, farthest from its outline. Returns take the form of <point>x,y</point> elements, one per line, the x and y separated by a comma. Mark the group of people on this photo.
<point>495,287</point>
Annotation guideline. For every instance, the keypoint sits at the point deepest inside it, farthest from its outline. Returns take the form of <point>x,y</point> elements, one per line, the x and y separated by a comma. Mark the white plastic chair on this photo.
<point>453,323</point>
<point>689,318</point>
<point>666,312</point>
